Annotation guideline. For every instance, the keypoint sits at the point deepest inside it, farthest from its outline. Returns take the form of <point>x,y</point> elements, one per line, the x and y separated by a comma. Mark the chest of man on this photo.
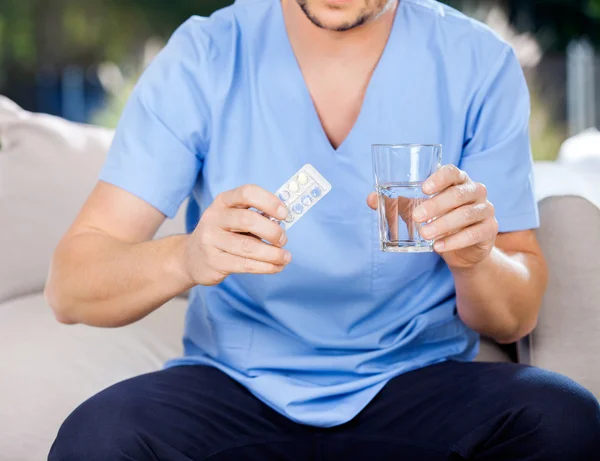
<point>338,93</point>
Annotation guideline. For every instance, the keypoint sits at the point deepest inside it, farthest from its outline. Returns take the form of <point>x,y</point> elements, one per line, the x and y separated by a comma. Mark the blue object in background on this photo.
<point>95,95</point>
<point>73,94</point>
<point>47,92</point>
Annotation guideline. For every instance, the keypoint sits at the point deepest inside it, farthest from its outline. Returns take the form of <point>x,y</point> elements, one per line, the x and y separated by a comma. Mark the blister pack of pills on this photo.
<point>301,193</point>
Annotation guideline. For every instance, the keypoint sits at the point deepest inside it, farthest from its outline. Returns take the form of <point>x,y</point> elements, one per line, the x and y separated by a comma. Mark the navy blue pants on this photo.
<point>450,411</point>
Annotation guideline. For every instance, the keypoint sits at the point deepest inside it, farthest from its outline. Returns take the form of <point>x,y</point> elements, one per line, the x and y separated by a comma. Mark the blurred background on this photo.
<point>80,58</point>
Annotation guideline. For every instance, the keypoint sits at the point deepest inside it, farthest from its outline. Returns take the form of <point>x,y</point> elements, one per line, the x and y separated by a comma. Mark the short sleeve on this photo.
<point>164,130</point>
<point>497,150</point>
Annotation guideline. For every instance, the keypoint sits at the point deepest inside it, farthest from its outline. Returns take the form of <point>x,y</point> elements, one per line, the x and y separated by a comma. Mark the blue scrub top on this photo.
<point>225,104</point>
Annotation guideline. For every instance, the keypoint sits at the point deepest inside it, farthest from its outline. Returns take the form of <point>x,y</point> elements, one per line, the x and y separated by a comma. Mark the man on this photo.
<point>343,352</point>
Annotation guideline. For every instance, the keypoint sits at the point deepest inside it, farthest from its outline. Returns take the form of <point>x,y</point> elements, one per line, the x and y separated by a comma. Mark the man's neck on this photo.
<point>323,44</point>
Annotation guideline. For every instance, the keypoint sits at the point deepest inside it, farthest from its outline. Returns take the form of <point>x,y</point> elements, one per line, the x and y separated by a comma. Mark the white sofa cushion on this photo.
<point>48,369</point>
<point>554,179</point>
<point>48,166</point>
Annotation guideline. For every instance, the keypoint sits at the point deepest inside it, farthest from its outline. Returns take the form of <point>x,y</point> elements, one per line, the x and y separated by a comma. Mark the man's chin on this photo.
<point>336,19</point>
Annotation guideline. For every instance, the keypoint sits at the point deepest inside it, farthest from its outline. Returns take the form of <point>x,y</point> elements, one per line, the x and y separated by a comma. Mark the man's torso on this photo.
<point>226,104</point>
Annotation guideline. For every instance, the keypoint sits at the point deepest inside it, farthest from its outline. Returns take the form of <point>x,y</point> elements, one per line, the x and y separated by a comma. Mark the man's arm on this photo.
<point>500,278</point>
<point>501,296</point>
<point>108,272</point>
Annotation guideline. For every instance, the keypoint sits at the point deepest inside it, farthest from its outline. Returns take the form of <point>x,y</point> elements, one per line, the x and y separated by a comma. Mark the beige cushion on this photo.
<point>489,351</point>
<point>48,166</point>
<point>47,369</point>
<point>567,339</point>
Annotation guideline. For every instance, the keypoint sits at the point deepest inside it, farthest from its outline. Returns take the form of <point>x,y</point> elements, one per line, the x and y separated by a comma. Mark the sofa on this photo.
<point>47,168</point>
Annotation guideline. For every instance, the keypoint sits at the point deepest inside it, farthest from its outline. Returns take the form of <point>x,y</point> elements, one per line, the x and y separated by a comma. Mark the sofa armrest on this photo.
<point>567,338</point>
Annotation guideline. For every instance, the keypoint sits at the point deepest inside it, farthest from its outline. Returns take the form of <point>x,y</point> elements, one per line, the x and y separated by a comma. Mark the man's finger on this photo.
<point>252,196</point>
<point>252,248</point>
<point>372,201</point>
<point>457,220</point>
<point>473,235</point>
<point>390,208</point>
<point>231,264</point>
<point>250,222</point>
<point>447,176</point>
<point>448,200</point>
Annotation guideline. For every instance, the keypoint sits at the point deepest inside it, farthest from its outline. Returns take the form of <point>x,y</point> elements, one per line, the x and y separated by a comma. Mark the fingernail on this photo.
<point>420,214</point>
<point>288,257</point>
<point>428,186</point>
<point>283,239</point>
<point>439,246</point>
<point>282,212</point>
<point>429,231</point>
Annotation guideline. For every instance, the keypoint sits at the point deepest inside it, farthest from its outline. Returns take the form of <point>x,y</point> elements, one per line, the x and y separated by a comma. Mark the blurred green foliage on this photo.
<point>43,32</point>
<point>36,33</point>
<point>40,34</point>
<point>557,22</point>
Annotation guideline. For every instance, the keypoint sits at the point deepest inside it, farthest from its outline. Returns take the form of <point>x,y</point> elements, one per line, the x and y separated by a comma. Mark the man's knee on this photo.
<point>105,427</point>
<point>568,426</point>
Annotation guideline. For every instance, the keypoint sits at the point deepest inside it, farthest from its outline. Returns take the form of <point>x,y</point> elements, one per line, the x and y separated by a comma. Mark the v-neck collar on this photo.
<point>373,82</point>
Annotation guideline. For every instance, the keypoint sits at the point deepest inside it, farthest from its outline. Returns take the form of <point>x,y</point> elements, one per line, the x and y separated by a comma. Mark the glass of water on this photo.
<point>400,171</point>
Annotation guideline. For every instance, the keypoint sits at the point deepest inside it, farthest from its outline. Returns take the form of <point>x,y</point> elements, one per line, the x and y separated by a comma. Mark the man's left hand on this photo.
<point>465,227</point>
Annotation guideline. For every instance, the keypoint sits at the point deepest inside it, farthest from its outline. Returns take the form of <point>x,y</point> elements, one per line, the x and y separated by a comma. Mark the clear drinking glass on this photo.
<point>400,171</point>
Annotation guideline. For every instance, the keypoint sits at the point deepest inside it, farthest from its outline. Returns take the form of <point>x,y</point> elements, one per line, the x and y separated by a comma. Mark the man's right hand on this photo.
<point>228,238</point>
<point>108,271</point>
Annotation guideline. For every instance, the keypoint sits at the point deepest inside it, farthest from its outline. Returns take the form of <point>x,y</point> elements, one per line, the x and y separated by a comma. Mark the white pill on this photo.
<point>302,178</point>
<point>293,186</point>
